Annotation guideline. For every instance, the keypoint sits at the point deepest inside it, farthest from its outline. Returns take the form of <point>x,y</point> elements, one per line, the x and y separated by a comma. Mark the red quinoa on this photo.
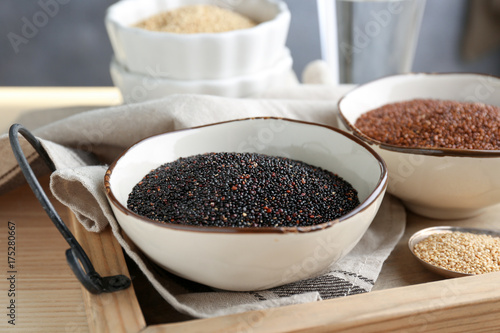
<point>434,123</point>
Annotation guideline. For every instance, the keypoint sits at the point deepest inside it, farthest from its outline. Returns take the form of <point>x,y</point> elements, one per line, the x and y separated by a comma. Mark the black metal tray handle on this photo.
<point>75,255</point>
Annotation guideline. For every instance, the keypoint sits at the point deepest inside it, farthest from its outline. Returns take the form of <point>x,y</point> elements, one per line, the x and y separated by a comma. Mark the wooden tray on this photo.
<point>413,303</point>
<point>406,297</point>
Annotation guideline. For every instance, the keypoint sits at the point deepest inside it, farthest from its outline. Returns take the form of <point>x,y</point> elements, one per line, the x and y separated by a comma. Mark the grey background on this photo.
<point>72,49</point>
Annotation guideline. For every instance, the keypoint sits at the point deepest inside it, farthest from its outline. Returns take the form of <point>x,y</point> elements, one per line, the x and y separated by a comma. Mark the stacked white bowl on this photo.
<point>238,63</point>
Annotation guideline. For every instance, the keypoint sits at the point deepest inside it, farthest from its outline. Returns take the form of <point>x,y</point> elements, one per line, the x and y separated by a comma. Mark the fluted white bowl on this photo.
<point>197,56</point>
<point>137,87</point>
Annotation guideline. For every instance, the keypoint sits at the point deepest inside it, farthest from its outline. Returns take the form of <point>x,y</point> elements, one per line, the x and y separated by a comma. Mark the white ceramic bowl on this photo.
<point>137,87</point>
<point>437,183</point>
<point>250,258</point>
<point>198,56</point>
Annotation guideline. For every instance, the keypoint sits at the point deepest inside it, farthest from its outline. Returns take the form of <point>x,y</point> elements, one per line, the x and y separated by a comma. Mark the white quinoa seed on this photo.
<point>196,19</point>
<point>461,252</point>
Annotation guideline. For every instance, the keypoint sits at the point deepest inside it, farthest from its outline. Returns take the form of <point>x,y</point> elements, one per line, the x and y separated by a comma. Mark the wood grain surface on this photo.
<point>469,305</point>
<point>109,312</point>
<point>48,296</point>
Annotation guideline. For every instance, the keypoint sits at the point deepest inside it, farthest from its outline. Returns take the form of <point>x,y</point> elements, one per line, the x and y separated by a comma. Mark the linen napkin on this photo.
<point>82,145</point>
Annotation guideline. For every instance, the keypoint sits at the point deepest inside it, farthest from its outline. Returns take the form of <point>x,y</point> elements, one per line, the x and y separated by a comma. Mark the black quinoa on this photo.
<point>242,190</point>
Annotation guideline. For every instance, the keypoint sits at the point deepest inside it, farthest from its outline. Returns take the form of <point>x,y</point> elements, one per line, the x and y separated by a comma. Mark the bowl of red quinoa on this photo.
<point>247,204</point>
<point>439,135</point>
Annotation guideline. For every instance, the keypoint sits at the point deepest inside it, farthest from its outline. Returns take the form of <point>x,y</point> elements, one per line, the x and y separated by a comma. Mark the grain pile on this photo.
<point>434,123</point>
<point>242,190</point>
<point>196,19</point>
<point>461,252</point>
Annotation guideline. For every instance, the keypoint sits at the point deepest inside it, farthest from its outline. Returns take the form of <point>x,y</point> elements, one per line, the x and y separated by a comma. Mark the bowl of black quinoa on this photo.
<point>247,204</point>
<point>439,135</point>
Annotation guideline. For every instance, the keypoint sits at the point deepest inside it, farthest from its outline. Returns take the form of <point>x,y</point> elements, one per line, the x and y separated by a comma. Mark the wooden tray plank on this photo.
<point>457,304</point>
<point>110,312</point>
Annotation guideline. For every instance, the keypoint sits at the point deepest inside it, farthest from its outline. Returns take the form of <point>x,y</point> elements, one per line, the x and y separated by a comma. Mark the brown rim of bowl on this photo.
<point>440,152</point>
<point>379,189</point>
